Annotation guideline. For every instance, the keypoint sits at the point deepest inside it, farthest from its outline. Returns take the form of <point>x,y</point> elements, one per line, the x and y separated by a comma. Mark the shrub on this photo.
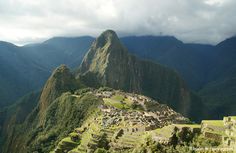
<point>74,136</point>
<point>101,150</point>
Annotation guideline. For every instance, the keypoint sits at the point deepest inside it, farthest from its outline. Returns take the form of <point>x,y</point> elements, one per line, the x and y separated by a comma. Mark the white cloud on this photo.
<point>204,21</point>
<point>214,2</point>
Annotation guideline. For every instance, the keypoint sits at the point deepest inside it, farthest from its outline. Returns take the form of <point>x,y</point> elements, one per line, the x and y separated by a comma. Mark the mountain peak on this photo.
<point>108,63</point>
<point>62,69</point>
<point>105,48</point>
<point>60,81</point>
<point>109,34</point>
<point>107,37</point>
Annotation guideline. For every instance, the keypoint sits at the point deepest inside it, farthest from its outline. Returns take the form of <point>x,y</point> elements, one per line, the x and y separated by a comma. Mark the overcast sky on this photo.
<point>199,21</point>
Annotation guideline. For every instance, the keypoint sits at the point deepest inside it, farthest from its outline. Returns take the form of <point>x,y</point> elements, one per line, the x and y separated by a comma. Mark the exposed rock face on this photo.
<point>60,81</point>
<point>108,63</point>
<point>107,59</point>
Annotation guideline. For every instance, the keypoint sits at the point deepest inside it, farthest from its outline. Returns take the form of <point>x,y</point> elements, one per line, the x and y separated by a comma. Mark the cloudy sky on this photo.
<point>199,21</point>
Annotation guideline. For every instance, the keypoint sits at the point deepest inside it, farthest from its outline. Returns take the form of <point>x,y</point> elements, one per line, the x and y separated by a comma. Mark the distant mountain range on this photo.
<point>208,70</point>
<point>24,69</point>
<point>39,122</point>
<point>19,74</point>
<point>69,99</point>
<point>192,61</point>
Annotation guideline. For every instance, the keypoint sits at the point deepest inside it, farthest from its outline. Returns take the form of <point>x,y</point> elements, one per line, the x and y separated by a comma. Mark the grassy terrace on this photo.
<point>233,117</point>
<point>192,126</point>
<point>86,137</point>
<point>219,124</point>
<point>222,133</point>
<point>214,122</point>
<point>118,101</point>
<point>68,140</point>
<point>165,131</point>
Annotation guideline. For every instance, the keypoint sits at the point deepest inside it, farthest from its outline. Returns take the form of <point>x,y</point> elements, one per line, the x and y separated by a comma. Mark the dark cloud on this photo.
<point>201,21</point>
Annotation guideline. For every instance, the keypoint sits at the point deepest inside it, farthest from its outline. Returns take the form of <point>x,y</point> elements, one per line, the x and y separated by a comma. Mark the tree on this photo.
<point>185,135</point>
<point>174,140</point>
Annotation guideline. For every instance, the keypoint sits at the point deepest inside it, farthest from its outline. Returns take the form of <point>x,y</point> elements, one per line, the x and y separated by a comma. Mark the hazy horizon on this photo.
<point>120,36</point>
<point>193,21</point>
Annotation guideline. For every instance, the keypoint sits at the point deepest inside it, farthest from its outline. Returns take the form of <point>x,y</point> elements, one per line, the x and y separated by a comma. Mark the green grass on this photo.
<point>93,128</point>
<point>68,140</point>
<point>114,103</point>
<point>217,132</point>
<point>66,144</point>
<point>214,122</point>
<point>188,125</point>
<point>165,131</point>
<point>233,117</point>
<point>118,97</point>
<point>128,102</point>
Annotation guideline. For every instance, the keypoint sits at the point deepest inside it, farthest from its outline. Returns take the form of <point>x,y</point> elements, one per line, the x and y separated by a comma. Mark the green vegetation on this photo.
<point>202,141</point>
<point>77,121</point>
<point>65,145</point>
<point>121,102</point>
<point>118,97</point>
<point>62,116</point>
<point>101,150</point>
<point>73,123</point>
<point>115,103</point>
<point>233,117</point>
<point>188,125</point>
<point>26,68</point>
<point>154,147</point>
<point>165,131</point>
<point>118,101</point>
<point>213,122</point>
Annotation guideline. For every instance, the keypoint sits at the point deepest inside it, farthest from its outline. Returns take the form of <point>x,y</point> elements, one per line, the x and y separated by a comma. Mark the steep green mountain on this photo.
<point>209,70</point>
<point>39,123</point>
<point>59,50</point>
<point>192,61</point>
<point>25,69</point>
<point>30,116</point>
<point>16,114</point>
<point>18,74</point>
<point>219,94</point>
<point>61,80</point>
<point>108,63</point>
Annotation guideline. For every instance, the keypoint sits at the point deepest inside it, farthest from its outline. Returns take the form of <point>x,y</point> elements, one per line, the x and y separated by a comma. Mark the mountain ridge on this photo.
<point>108,63</point>
<point>192,62</point>
<point>60,81</point>
<point>64,106</point>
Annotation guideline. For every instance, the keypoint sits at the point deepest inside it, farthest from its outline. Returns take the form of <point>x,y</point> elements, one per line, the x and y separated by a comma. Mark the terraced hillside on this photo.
<point>65,104</point>
<point>113,134</point>
<point>121,123</point>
